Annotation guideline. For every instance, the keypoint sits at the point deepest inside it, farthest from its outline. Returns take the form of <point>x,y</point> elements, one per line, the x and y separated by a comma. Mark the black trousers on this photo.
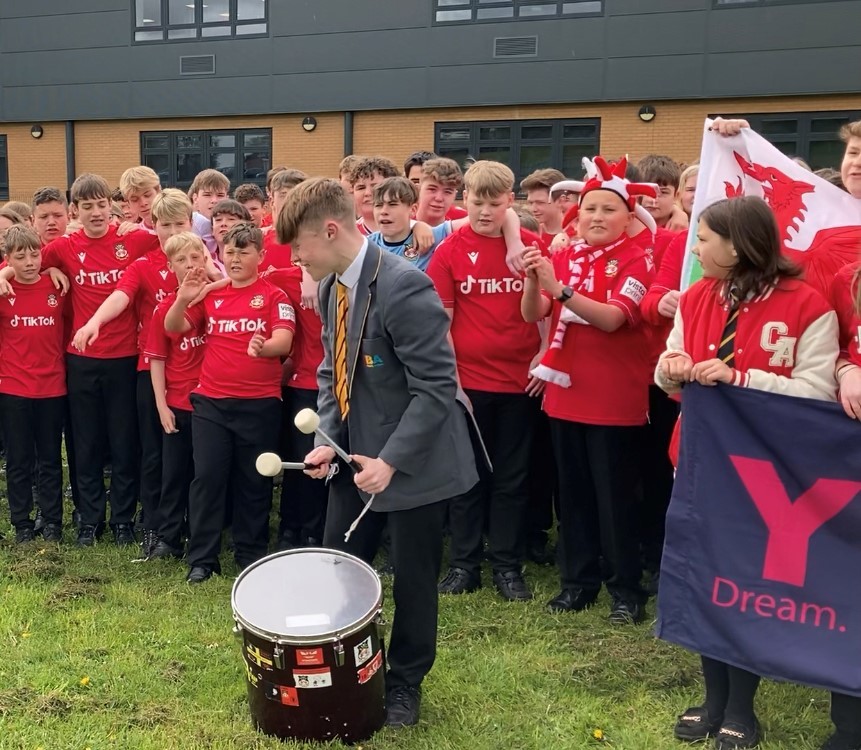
<point>303,500</point>
<point>598,501</point>
<point>150,431</point>
<point>102,403</point>
<point>657,473</point>
<point>846,715</point>
<point>71,456</point>
<point>499,500</point>
<point>34,427</point>
<point>415,555</point>
<point>542,483</point>
<point>228,435</point>
<point>177,473</point>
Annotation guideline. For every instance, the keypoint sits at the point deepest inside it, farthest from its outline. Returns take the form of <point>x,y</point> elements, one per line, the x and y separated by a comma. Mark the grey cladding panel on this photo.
<point>82,102</point>
<point>71,31</point>
<point>657,34</point>
<point>200,96</point>
<point>654,78</point>
<point>348,90</point>
<point>298,17</point>
<point>28,8</point>
<point>235,57</point>
<point>95,66</point>
<point>637,7</point>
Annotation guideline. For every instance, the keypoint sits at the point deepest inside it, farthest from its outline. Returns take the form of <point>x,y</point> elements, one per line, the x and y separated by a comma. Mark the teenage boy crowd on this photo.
<point>170,337</point>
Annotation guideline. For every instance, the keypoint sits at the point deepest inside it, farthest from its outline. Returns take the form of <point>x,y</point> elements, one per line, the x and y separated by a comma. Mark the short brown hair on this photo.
<point>418,159</point>
<point>209,179</point>
<point>396,188</point>
<point>249,192</point>
<point>366,167</point>
<point>488,179</point>
<point>244,235</point>
<point>181,241</point>
<point>271,173</point>
<point>527,220</point>
<point>287,178</point>
<point>345,168</point>
<point>48,195</point>
<point>311,203</point>
<point>20,237</point>
<point>446,172</point>
<point>850,130</point>
<point>12,215</point>
<point>90,187</point>
<point>138,180</point>
<point>24,210</point>
<point>541,179</point>
<point>659,169</point>
<point>171,203</point>
<point>232,207</point>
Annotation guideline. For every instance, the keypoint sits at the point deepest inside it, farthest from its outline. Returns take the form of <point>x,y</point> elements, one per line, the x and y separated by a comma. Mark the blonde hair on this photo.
<point>171,204</point>
<point>181,241</point>
<point>20,237</point>
<point>209,179</point>
<point>312,203</point>
<point>345,168</point>
<point>850,130</point>
<point>287,178</point>
<point>24,210</point>
<point>138,180</point>
<point>446,172</point>
<point>488,179</point>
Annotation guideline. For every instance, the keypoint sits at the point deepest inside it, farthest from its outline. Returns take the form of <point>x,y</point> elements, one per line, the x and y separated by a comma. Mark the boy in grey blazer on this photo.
<point>393,407</point>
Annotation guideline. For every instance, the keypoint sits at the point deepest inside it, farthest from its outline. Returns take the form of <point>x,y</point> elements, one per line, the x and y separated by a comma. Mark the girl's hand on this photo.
<point>677,368</point>
<point>711,372</point>
<point>850,391</point>
<point>669,304</point>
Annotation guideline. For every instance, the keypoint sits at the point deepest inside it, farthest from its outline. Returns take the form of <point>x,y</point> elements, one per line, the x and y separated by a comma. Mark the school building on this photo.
<point>242,85</point>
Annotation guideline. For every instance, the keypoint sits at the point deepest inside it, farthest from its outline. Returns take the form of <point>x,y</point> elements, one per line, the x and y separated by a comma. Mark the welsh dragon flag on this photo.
<point>820,224</point>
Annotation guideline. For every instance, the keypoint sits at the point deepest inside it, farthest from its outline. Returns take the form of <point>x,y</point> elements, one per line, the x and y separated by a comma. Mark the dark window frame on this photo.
<point>4,168</point>
<point>175,148</point>
<point>515,140</point>
<point>804,135</point>
<point>516,6</point>
<point>198,26</point>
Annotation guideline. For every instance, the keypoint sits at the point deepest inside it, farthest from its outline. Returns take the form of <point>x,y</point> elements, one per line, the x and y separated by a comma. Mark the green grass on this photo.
<point>97,652</point>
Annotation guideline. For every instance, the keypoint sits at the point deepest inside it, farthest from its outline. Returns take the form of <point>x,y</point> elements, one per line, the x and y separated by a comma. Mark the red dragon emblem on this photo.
<point>830,249</point>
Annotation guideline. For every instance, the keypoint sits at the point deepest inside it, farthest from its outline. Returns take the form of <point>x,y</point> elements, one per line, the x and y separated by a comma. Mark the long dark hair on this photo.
<point>749,224</point>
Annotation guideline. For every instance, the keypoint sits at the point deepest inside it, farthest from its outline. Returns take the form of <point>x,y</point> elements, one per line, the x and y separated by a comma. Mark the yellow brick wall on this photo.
<point>108,147</point>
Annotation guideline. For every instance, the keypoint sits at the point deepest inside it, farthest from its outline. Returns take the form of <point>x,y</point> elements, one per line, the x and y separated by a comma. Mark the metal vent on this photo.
<point>515,46</point>
<point>196,65</point>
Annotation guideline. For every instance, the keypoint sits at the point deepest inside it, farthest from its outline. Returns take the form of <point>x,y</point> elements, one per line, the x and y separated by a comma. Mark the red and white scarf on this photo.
<point>555,365</point>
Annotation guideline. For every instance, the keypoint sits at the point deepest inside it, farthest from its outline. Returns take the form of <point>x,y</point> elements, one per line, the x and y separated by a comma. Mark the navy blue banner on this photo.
<point>762,562</point>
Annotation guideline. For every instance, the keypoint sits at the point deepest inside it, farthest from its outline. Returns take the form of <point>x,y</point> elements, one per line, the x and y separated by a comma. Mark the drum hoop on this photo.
<point>302,640</point>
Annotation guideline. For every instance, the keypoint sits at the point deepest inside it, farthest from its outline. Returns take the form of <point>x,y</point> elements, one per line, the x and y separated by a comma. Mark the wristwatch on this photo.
<point>566,294</point>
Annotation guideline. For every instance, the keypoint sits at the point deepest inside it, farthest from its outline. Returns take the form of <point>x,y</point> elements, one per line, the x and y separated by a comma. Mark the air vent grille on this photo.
<point>515,46</point>
<point>196,65</point>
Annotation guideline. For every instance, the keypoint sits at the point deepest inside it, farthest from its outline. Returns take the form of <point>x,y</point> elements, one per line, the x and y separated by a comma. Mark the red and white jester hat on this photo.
<point>602,176</point>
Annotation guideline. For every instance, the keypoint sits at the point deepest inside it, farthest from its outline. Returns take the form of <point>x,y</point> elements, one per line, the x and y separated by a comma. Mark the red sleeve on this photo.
<point>632,282</point>
<point>130,282</point>
<point>196,315</point>
<point>281,312</point>
<point>840,297</point>
<point>158,342</point>
<point>139,242</point>
<point>439,271</point>
<point>54,254</point>
<point>667,278</point>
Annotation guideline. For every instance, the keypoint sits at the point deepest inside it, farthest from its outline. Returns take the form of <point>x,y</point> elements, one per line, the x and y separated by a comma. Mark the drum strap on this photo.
<point>360,517</point>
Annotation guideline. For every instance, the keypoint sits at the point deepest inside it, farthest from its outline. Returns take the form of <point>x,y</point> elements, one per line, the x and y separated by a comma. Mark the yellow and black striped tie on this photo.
<point>341,350</point>
<point>726,350</point>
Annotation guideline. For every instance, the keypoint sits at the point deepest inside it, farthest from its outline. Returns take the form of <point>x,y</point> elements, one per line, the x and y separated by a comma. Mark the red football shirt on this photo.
<point>456,212</point>
<point>609,384</point>
<point>147,282</point>
<point>182,354</point>
<point>308,343</point>
<point>275,255</point>
<point>842,299</point>
<point>658,327</point>
<point>31,340</point>
<point>94,268</point>
<point>230,317</point>
<point>493,345</point>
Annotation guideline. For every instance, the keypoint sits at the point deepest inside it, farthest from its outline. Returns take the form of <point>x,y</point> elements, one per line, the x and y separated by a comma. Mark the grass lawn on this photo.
<point>98,652</point>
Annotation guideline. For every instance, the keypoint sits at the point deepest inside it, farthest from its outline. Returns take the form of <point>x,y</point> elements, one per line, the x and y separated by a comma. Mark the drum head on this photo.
<point>306,595</point>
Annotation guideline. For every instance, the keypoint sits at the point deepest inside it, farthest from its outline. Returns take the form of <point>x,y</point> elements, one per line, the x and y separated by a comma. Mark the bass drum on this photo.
<point>311,644</point>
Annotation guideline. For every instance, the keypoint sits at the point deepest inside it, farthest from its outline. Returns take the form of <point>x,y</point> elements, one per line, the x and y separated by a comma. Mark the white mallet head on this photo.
<point>268,464</point>
<point>307,421</point>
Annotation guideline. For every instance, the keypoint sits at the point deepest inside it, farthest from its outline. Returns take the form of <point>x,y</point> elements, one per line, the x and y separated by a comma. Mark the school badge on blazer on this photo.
<point>373,360</point>
<point>120,252</point>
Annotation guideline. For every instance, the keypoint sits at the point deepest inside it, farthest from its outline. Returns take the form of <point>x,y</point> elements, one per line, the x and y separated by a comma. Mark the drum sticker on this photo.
<point>313,678</point>
<point>365,673</point>
<point>363,651</point>
<point>258,657</point>
<point>286,696</point>
<point>309,657</point>
<point>252,678</point>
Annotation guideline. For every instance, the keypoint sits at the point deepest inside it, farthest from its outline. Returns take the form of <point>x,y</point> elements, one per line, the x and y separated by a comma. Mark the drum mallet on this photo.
<point>308,421</point>
<point>271,465</point>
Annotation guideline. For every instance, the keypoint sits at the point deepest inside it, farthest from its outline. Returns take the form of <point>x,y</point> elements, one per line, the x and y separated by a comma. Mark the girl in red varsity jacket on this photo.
<point>750,322</point>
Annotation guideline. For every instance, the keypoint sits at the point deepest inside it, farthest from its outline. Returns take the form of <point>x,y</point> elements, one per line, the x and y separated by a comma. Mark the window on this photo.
<point>814,136</point>
<point>177,156</point>
<point>469,11</point>
<point>524,145</point>
<point>4,170</point>
<point>157,20</point>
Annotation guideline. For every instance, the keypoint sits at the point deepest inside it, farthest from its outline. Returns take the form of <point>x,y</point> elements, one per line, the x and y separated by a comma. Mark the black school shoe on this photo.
<point>459,581</point>
<point>695,725</point>
<point>200,573</point>
<point>52,532</point>
<point>733,735</point>
<point>86,535</point>
<point>403,705</point>
<point>163,550</point>
<point>511,586</point>
<point>838,741</point>
<point>24,535</point>
<point>623,612</point>
<point>573,600</point>
<point>124,534</point>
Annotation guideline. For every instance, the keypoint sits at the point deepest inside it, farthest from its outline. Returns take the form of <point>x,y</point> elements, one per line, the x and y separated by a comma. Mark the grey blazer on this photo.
<point>402,384</point>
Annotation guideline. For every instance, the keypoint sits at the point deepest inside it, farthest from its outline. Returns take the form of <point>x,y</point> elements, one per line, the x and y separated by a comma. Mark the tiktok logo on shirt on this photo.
<point>32,321</point>
<point>236,325</point>
<point>491,286</point>
<point>190,342</point>
<point>98,278</point>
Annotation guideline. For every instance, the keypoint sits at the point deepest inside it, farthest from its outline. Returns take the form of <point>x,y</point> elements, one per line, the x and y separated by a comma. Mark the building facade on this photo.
<point>242,85</point>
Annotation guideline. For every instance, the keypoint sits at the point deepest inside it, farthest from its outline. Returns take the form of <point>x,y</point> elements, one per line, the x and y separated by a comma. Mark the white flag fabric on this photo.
<point>820,224</point>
